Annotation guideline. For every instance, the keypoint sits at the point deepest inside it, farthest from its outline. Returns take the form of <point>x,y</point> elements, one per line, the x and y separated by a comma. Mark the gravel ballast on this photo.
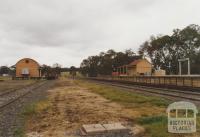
<point>10,117</point>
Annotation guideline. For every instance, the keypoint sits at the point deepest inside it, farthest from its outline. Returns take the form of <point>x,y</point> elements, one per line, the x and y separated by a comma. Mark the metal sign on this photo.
<point>182,117</point>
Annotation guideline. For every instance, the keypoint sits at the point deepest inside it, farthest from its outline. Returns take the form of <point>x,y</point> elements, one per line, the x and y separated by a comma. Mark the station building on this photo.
<point>28,68</point>
<point>135,68</point>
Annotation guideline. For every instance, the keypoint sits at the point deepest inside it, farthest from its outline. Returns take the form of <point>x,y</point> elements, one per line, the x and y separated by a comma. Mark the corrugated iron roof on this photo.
<point>135,62</point>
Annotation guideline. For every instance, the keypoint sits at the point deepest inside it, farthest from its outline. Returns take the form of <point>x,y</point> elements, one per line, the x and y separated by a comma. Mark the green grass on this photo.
<point>30,111</point>
<point>123,96</point>
<point>152,119</point>
<point>4,78</point>
<point>19,132</point>
<point>36,108</point>
<point>156,125</point>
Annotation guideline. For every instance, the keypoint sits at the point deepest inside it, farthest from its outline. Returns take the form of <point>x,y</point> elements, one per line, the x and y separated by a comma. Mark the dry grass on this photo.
<point>73,103</point>
<point>70,107</point>
<point>14,84</point>
<point>149,112</point>
<point>4,78</point>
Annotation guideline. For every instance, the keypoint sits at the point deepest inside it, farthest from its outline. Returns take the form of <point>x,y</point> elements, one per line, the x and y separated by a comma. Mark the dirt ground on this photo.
<point>69,107</point>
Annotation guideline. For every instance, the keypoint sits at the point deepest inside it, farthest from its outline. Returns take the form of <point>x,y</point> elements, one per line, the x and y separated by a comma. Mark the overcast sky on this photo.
<point>67,31</point>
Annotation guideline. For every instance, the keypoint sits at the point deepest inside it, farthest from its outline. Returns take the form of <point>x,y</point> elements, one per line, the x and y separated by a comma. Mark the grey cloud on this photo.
<point>44,23</point>
<point>67,31</point>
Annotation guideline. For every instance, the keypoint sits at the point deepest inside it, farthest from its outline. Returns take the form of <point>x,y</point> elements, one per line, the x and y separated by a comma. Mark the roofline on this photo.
<point>139,60</point>
<point>28,59</point>
<point>128,65</point>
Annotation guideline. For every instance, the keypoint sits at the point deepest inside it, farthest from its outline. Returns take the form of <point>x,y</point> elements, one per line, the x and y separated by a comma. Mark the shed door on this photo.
<point>25,71</point>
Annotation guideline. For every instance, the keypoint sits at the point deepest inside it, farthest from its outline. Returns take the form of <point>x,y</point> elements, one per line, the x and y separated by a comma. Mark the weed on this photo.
<point>19,132</point>
<point>152,120</point>
<point>123,96</point>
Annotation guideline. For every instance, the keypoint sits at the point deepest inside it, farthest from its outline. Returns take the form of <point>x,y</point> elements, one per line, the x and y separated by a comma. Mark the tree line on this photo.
<point>46,70</point>
<point>163,51</point>
<point>106,62</point>
<point>5,70</point>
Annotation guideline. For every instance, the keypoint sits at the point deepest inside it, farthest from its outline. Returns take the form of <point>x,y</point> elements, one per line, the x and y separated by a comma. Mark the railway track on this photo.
<point>11,96</point>
<point>170,93</point>
<point>14,89</point>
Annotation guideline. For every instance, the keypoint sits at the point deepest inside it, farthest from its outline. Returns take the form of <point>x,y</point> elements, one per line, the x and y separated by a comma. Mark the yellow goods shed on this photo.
<point>27,68</point>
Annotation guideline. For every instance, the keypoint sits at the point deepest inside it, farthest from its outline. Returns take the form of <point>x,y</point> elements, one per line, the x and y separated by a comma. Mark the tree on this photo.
<point>72,71</point>
<point>4,70</point>
<point>164,51</point>
<point>57,68</point>
<point>105,62</point>
<point>50,72</point>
